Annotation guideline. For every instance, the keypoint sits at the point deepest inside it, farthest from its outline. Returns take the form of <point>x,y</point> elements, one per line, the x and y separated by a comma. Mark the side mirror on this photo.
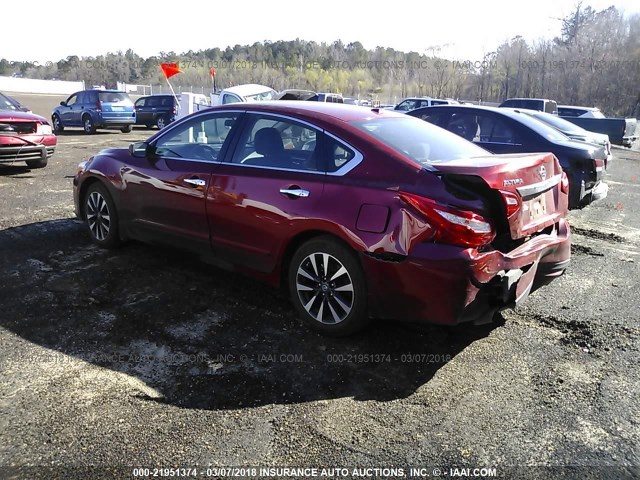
<point>64,104</point>
<point>139,149</point>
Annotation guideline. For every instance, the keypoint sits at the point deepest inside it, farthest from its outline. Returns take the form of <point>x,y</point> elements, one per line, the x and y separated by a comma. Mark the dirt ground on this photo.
<point>145,357</point>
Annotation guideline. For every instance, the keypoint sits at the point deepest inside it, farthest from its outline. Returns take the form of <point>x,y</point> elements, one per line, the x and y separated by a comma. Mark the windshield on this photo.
<point>6,104</point>
<point>262,96</point>
<point>421,141</point>
<point>114,97</point>
<point>563,125</point>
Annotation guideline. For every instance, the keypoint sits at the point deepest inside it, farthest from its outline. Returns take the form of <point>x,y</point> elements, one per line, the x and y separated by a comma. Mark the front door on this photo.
<point>168,189</point>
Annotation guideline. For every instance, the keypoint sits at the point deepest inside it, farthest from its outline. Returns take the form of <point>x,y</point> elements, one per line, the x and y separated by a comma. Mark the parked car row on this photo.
<point>506,130</point>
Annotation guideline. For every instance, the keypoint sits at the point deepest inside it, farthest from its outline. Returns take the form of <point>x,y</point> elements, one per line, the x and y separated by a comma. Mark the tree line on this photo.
<point>594,61</point>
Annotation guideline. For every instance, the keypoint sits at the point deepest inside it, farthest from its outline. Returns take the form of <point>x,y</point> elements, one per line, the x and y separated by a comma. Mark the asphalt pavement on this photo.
<point>146,357</point>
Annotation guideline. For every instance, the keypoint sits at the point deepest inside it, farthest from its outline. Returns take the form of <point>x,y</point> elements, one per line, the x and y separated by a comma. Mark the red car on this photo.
<point>24,137</point>
<point>358,212</point>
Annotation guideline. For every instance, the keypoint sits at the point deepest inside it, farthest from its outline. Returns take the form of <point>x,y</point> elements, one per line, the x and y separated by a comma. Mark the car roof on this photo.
<point>248,89</point>
<point>339,111</point>
<point>508,112</point>
<point>524,98</point>
<point>103,90</point>
<point>157,95</point>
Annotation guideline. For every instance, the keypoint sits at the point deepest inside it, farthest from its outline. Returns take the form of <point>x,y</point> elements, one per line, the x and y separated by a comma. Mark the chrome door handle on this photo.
<point>295,192</point>
<point>196,182</point>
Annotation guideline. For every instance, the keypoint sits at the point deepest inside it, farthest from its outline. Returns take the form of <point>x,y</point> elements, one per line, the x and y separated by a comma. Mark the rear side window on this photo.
<point>275,143</point>
<point>339,155</point>
<point>495,130</point>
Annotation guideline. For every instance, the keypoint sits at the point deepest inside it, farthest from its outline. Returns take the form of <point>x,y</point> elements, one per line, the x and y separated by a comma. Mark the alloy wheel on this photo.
<point>98,216</point>
<point>325,288</point>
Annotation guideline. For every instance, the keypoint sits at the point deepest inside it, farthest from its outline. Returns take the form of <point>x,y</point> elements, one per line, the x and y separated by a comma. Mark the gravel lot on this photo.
<point>147,357</point>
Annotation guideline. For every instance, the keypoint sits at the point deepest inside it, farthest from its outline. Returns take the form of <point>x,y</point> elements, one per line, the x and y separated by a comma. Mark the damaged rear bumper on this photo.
<point>451,285</point>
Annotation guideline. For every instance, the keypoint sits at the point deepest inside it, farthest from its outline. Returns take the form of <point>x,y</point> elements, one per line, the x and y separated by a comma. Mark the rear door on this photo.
<point>166,192</point>
<point>271,186</point>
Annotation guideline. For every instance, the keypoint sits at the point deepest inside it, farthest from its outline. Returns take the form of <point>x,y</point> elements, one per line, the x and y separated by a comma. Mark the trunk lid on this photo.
<point>526,189</point>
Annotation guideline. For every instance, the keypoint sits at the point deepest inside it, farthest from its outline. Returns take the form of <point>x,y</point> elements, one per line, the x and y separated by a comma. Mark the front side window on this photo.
<point>202,138</point>
<point>407,105</point>
<point>275,143</point>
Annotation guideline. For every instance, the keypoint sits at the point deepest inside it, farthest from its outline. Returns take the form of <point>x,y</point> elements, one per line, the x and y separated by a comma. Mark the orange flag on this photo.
<point>170,69</point>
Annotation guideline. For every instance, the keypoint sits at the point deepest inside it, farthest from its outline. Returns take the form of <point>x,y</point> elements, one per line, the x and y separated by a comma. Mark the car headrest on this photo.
<point>268,141</point>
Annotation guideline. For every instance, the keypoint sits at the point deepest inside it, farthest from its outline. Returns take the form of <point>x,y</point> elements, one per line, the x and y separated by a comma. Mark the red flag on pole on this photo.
<point>170,69</point>
<point>212,73</point>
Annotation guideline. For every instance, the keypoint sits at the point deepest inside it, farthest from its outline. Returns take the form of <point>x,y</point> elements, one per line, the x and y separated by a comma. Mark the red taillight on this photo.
<point>453,226</point>
<point>99,106</point>
<point>599,165</point>
<point>512,202</point>
<point>564,183</point>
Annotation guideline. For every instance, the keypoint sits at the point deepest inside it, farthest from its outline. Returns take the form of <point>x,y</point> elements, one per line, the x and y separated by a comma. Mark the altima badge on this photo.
<point>513,181</point>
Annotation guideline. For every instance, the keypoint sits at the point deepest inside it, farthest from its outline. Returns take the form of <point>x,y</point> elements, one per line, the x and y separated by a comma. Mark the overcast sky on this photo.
<point>462,29</point>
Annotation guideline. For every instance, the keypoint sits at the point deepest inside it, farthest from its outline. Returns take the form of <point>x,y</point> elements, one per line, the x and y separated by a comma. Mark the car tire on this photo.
<point>57,124</point>
<point>162,122</point>
<point>328,288</point>
<point>87,125</point>
<point>101,216</point>
<point>40,163</point>
<point>126,129</point>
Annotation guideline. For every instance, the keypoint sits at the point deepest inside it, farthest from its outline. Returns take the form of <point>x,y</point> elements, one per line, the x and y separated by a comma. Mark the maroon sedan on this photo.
<point>24,137</point>
<point>358,212</point>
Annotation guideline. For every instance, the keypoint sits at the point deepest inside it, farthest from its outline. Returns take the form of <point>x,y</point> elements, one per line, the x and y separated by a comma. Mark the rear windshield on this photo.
<point>524,103</point>
<point>114,97</point>
<point>547,131</point>
<point>262,96</point>
<point>559,123</point>
<point>421,141</point>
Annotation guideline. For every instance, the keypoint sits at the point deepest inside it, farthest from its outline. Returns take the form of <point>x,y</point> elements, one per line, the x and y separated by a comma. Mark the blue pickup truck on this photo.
<point>621,131</point>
